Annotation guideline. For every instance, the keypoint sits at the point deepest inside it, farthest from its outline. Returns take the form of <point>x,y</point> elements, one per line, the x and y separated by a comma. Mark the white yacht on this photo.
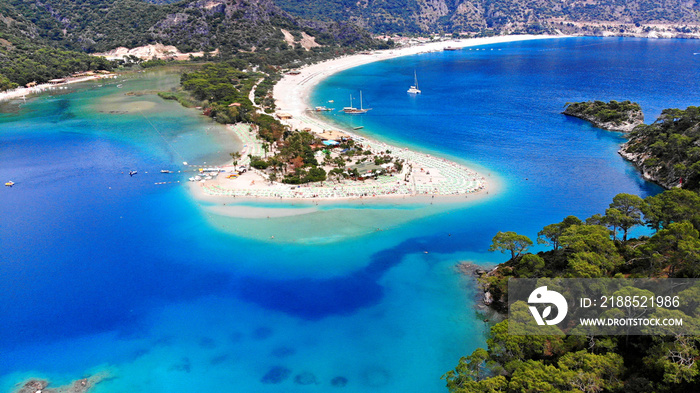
<point>354,111</point>
<point>414,89</point>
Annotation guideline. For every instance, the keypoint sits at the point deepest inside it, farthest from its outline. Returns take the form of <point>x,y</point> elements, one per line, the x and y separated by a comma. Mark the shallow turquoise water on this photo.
<point>105,271</point>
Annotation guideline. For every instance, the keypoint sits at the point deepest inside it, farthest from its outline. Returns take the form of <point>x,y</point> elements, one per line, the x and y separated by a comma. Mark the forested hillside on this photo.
<point>89,25</point>
<point>26,56</point>
<point>593,248</point>
<point>227,25</point>
<point>45,39</point>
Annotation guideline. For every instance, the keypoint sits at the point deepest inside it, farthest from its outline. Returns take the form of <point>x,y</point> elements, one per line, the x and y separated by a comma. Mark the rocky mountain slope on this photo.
<point>677,17</point>
<point>45,39</point>
<point>199,25</point>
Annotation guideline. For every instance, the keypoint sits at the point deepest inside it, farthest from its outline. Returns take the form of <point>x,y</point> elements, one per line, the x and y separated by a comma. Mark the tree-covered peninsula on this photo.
<point>612,116</point>
<point>597,247</point>
<point>666,152</point>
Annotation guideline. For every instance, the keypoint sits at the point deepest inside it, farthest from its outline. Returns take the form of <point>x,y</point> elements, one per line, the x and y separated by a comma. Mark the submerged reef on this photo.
<point>276,375</point>
<point>78,386</point>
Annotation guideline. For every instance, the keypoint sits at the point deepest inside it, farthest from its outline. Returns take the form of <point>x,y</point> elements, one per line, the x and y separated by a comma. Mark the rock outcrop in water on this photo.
<point>612,116</point>
<point>79,386</point>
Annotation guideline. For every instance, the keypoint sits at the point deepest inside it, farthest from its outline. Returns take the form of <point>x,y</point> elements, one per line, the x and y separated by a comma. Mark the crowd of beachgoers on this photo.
<point>422,174</point>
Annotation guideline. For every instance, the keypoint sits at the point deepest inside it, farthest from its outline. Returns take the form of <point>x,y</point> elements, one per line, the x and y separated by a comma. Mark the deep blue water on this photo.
<point>102,271</point>
<point>500,108</point>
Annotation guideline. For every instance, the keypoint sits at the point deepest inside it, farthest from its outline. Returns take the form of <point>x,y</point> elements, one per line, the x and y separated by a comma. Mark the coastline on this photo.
<point>198,311</point>
<point>23,92</point>
<point>292,92</point>
<point>421,175</point>
<point>450,182</point>
<point>252,207</point>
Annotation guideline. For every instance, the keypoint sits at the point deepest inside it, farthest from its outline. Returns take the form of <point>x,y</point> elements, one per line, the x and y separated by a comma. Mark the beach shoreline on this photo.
<point>292,92</point>
<point>422,175</point>
<point>253,207</point>
<point>425,179</point>
<point>453,182</point>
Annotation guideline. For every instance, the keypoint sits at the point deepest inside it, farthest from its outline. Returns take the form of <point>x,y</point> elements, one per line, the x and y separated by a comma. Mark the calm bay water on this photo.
<point>102,271</point>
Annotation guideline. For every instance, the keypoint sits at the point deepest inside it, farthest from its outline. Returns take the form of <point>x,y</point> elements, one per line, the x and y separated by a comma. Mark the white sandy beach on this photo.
<point>292,91</point>
<point>428,176</point>
<point>422,174</point>
<point>422,178</point>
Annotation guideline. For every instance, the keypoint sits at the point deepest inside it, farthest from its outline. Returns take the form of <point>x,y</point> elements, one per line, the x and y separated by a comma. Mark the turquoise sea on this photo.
<point>100,271</point>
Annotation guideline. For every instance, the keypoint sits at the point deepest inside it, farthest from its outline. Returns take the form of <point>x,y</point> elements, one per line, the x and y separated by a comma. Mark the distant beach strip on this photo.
<point>34,89</point>
<point>422,174</point>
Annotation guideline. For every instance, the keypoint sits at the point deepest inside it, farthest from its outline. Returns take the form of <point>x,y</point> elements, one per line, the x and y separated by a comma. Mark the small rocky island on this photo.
<point>612,116</point>
<point>79,386</point>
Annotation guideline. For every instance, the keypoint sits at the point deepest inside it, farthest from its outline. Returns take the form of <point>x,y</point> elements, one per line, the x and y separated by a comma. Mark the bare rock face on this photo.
<point>430,12</point>
<point>148,52</point>
<point>488,298</point>
<point>656,174</point>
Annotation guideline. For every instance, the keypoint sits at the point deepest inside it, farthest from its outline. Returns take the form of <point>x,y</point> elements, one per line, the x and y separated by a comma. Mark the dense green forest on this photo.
<point>667,150</point>
<point>230,26</point>
<point>595,247</point>
<point>41,40</point>
<point>87,25</point>
<point>218,85</point>
<point>26,57</point>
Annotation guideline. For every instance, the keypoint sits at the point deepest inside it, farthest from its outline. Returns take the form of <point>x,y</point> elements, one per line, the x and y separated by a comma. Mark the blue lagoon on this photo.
<point>106,272</point>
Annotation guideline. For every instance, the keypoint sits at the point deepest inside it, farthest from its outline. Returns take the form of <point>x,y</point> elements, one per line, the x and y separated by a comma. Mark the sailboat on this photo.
<point>354,111</point>
<point>414,89</point>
